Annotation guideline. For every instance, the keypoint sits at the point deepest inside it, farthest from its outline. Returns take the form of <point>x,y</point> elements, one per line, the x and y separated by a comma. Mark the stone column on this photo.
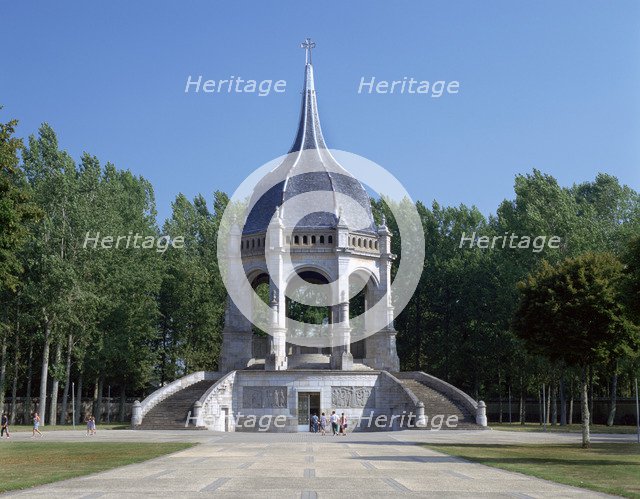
<point>237,340</point>
<point>277,359</point>
<point>341,357</point>
<point>421,421</point>
<point>381,346</point>
<point>237,334</point>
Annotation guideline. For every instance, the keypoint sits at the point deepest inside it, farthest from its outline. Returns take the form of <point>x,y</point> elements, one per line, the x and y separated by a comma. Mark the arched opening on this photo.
<point>321,239</point>
<point>363,285</point>
<point>309,315</point>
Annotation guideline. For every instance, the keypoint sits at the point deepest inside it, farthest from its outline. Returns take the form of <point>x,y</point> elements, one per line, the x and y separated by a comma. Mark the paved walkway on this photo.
<point>364,465</point>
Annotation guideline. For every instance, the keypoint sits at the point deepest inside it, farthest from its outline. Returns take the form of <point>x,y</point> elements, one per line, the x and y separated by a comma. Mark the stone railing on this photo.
<point>363,243</point>
<point>407,401</point>
<point>477,409</point>
<point>140,409</point>
<point>407,392</point>
<point>209,408</point>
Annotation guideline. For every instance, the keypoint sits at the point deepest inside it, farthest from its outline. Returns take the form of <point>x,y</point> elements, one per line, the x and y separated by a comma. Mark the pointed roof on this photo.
<point>309,134</point>
<point>308,167</point>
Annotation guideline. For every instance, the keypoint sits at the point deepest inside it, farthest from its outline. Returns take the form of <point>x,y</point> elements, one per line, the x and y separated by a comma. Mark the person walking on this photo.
<point>314,423</point>
<point>323,424</point>
<point>334,422</point>
<point>4,425</point>
<point>36,425</point>
<point>91,426</point>
<point>343,425</point>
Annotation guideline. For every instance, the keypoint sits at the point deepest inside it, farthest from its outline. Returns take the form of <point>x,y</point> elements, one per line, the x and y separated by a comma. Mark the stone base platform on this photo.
<point>255,400</point>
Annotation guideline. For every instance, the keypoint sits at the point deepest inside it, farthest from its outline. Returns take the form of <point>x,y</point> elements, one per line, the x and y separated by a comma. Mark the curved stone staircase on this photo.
<point>172,412</point>
<point>438,397</point>
<point>436,402</point>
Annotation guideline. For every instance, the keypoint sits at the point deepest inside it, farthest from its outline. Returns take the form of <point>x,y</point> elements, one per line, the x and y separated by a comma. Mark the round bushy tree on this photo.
<point>573,313</point>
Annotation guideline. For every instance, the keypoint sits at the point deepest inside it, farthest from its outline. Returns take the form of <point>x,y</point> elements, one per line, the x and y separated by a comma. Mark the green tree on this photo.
<point>16,213</point>
<point>631,259</point>
<point>572,313</point>
<point>192,296</point>
<point>50,277</point>
<point>16,208</point>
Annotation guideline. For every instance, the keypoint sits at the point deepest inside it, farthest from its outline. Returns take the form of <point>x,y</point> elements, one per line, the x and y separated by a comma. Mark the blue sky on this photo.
<point>545,84</point>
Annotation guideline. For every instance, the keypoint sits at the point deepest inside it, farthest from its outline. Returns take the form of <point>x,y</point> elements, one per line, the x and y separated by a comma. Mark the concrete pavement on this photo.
<point>362,465</point>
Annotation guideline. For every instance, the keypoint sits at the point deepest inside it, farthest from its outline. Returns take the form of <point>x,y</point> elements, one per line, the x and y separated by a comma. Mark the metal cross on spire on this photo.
<point>308,45</point>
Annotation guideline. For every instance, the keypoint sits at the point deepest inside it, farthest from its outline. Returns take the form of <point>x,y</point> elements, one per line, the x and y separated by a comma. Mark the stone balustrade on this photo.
<point>140,409</point>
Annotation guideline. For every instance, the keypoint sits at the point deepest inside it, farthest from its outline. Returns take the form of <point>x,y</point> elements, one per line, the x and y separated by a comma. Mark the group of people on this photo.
<point>4,426</point>
<point>338,424</point>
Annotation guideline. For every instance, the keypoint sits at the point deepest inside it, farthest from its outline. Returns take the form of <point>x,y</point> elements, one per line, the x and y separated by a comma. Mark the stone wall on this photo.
<point>268,400</point>
<point>215,411</point>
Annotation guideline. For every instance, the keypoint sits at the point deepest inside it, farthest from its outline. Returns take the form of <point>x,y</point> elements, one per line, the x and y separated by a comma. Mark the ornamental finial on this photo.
<point>308,45</point>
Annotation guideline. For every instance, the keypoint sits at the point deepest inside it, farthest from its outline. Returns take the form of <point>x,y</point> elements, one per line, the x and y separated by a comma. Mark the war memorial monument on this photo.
<point>277,382</point>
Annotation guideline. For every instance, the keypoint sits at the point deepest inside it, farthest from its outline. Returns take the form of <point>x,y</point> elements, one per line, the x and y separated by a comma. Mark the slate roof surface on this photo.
<point>309,167</point>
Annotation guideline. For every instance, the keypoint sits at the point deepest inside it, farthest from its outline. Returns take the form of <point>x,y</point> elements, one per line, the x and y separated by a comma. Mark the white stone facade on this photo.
<point>369,400</point>
<point>341,257</point>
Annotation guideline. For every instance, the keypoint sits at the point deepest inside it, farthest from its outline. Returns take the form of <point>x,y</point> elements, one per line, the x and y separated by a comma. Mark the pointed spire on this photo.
<point>341,221</point>
<point>383,230</point>
<point>309,134</point>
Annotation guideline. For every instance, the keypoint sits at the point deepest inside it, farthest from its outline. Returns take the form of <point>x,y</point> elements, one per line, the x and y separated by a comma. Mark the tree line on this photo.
<point>558,324</point>
<point>129,319</point>
<point>133,320</point>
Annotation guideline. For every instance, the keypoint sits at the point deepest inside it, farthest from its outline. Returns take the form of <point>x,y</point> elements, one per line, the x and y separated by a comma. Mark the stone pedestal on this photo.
<point>381,351</point>
<point>237,349</point>
<point>481,414</point>
<point>136,414</point>
<point>341,360</point>
<point>277,359</point>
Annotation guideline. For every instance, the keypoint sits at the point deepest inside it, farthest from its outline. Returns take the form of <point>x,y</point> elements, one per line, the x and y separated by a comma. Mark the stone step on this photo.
<point>437,403</point>
<point>172,412</point>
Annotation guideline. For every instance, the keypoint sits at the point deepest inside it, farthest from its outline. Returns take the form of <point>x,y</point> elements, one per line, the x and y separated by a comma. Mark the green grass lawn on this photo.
<point>80,427</point>
<point>26,464</point>
<point>572,428</point>
<point>613,468</point>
